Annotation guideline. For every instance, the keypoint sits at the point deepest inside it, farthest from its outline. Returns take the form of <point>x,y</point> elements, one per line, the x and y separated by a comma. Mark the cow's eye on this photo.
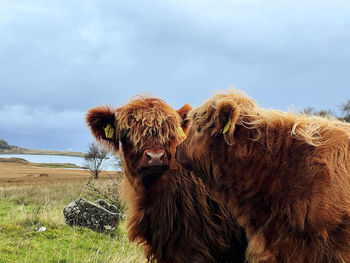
<point>199,129</point>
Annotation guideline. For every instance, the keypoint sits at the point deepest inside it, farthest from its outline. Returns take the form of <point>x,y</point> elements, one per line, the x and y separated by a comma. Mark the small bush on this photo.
<point>108,190</point>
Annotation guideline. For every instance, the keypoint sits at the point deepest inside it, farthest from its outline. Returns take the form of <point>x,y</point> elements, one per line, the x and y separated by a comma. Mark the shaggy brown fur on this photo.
<point>170,211</point>
<point>285,177</point>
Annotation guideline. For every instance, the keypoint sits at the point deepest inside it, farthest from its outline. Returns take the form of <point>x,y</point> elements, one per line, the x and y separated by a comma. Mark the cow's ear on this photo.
<point>101,121</point>
<point>228,113</point>
<point>183,111</point>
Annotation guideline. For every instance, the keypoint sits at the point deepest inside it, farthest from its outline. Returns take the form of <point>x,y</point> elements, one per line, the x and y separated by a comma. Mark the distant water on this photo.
<point>109,164</point>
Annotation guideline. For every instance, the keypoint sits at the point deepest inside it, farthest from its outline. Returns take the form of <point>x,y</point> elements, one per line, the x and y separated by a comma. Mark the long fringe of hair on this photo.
<point>247,113</point>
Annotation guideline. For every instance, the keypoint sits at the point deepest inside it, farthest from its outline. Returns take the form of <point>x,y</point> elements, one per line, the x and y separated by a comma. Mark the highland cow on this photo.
<point>284,176</point>
<point>170,212</point>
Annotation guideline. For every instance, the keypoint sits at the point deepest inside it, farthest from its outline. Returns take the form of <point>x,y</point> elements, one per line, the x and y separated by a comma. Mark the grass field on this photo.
<point>30,202</point>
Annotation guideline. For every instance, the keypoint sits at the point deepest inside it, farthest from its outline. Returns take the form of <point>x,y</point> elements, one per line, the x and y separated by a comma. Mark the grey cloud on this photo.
<point>42,128</point>
<point>65,57</point>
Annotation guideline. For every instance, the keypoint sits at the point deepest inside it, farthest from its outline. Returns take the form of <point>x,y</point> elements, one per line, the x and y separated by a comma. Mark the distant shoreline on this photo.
<point>46,165</point>
<point>19,150</point>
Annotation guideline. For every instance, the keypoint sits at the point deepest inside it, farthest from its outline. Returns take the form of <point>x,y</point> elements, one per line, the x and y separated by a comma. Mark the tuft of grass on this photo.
<point>23,210</point>
<point>110,192</point>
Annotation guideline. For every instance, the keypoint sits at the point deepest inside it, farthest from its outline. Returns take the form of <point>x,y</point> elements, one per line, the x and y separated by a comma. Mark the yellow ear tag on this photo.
<point>181,131</point>
<point>109,131</point>
<point>227,126</point>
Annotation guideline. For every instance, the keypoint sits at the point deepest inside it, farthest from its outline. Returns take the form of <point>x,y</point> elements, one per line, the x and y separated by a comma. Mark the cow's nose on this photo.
<point>155,159</point>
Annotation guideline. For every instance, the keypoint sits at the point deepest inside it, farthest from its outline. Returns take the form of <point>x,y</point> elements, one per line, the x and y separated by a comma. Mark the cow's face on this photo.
<point>147,130</point>
<point>146,158</point>
<point>195,151</point>
<point>212,130</point>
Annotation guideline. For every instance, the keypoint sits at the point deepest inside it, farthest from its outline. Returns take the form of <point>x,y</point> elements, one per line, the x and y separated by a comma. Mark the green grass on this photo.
<point>23,210</point>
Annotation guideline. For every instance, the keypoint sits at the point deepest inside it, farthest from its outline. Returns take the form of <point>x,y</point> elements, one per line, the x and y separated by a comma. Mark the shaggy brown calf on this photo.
<point>170,211</point>
<point>285,177</point>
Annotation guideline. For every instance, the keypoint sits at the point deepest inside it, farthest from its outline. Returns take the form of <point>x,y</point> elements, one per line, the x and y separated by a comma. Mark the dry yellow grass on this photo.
<point>24,173</point>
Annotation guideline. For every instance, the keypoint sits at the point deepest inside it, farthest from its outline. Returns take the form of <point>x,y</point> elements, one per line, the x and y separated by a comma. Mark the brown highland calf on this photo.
<point>170,212</point>
<point>285,177</point>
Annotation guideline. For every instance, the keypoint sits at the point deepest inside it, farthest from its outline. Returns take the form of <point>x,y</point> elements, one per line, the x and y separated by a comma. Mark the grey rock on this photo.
<point>87,214</point>
<point>110,207</point>
<point>107,206</point>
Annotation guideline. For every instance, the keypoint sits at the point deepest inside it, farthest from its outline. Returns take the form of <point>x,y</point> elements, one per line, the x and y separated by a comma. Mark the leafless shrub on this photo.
<point>95,159</point>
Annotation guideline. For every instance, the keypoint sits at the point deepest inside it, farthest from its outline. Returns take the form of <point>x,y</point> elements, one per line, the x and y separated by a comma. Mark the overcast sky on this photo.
<point>58,58</point>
